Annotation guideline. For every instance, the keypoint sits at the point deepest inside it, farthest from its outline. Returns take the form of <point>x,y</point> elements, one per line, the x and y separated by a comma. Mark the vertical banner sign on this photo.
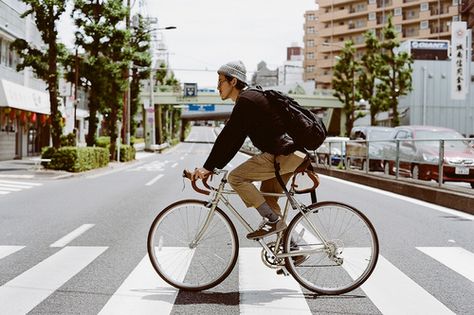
<point>458,60</point>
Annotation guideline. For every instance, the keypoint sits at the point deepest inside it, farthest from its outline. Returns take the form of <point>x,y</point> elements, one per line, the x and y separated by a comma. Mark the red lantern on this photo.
<point>23,117</point>
<point>12,115</point>
<point>43,119</point>
<point>33,118</point>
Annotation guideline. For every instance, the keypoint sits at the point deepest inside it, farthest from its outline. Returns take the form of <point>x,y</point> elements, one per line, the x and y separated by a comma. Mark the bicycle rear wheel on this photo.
<point>189,266</point>
<point>349,255</point>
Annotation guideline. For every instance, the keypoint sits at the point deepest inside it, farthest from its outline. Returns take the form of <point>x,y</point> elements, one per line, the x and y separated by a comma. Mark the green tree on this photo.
<point>107,54</point>
<point>141,60</point>
<point>344,82</point>
<point>395,73</point>
<point>371,63</point>
<point>45,62</point>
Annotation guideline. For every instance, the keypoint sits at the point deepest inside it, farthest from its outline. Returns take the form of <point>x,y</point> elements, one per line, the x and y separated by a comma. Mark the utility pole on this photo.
<point>126,103</point>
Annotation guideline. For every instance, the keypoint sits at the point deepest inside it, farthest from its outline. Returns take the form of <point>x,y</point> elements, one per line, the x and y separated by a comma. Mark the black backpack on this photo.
<point>303,126</point>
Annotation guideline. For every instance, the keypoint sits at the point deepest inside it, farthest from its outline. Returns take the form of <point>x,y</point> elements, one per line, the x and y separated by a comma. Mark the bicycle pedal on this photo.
<point>282,272</point>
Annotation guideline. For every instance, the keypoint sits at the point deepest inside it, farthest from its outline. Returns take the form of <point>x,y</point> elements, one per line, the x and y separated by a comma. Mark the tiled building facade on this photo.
<point>337,21</point>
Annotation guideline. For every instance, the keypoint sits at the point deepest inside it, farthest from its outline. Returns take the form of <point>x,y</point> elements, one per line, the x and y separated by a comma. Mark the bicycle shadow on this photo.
<point>252,297</point>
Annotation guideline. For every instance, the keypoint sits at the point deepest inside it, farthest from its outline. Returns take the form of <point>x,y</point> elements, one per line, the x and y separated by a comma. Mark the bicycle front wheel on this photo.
<point>341,248</point>
<point>182,260</point>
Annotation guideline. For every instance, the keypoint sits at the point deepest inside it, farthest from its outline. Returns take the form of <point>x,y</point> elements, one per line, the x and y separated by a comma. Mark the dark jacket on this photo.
<point>251,117</point>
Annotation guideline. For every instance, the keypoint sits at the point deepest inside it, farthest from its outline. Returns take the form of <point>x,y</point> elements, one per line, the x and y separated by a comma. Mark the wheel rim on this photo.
<point>349,258</point>
<point>186,265</point>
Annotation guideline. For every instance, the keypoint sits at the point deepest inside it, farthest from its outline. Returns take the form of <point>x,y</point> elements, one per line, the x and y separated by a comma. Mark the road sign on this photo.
<point>201,108</point>
<point>190,89</point>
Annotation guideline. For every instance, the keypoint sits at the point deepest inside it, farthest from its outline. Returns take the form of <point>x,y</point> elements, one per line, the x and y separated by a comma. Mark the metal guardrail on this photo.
<point>441,160</point>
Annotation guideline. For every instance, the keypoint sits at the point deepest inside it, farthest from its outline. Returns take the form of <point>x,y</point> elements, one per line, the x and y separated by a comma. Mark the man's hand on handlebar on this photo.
<point>200,173</point>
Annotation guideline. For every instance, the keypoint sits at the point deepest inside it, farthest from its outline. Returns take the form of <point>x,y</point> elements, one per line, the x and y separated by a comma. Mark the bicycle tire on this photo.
<point>324,272</point>
<point>186,268</point>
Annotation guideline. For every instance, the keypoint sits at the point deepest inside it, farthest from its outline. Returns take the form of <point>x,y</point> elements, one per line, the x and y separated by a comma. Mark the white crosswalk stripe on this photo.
<point>261,290</point>
<point>8,250</point>
<point>23,293</point>
<point>402,296</point>
<point>9,186</point>
<point>143,282</point>
<point>455,258</point>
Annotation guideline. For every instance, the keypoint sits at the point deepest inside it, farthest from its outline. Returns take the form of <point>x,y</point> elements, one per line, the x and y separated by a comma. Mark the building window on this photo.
<point>424,6</point>
<point>455,18</point>
<point>311,30</point>
<point>311,17</point>
<point>397,11</point>
<point>372,1</point>
<point>360,7</point>
<point>310,55</point>
<point>455,2</point>
<point>424,25</point>
<point>310,43</point>
<point>398,28</point>
<point>372,16</point>
<point>310,69</point>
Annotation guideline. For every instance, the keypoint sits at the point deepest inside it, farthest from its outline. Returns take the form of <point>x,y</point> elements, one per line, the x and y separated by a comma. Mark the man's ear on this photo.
<point>234,82</point>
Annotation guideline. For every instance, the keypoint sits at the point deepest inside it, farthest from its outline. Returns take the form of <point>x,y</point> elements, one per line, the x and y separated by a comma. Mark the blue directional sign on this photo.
<point>202,108</point>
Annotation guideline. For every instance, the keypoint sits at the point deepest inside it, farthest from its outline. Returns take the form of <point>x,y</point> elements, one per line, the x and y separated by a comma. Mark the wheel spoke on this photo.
<point>348,258</point>
<point>192,267</point>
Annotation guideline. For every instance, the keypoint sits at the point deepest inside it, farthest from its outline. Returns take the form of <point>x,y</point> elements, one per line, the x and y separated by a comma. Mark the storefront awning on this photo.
<point>21,97</point>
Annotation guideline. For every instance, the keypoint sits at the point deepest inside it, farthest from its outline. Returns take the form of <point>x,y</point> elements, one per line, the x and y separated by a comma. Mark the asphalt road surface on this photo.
<point>77,245</point>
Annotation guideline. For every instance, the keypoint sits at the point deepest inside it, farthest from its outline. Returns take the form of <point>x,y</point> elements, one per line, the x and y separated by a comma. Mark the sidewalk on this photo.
<point>27,168</point>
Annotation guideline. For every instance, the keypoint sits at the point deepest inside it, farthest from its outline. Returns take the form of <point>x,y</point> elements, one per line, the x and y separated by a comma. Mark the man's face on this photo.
<point>224,87</point>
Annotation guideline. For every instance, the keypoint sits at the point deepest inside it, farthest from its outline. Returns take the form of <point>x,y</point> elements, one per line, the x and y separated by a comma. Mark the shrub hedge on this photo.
<point>127,153</point>
<point>76,159</point>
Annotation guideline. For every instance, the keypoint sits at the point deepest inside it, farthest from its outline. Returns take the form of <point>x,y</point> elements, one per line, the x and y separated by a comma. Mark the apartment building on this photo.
<point>337,21</point>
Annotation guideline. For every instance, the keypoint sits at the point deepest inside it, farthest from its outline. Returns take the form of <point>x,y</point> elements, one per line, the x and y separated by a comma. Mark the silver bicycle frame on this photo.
<point>220,193</point>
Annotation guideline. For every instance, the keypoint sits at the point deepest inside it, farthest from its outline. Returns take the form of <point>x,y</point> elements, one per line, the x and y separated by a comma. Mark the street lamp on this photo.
<point>150,112</point>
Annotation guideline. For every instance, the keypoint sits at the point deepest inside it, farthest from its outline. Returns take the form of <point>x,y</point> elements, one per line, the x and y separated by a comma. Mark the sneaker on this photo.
<point>267,228</point>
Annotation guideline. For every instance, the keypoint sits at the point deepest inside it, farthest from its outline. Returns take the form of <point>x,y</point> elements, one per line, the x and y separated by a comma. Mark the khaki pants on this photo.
<point>260,168</point>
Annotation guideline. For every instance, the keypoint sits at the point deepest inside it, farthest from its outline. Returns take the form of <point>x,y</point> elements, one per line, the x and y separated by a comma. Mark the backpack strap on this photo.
<point>305,166</point>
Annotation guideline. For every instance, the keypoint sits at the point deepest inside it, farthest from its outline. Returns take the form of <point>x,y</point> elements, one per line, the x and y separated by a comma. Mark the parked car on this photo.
<point>338,150</point>
<point>419,153</point>
<point>366,143</point>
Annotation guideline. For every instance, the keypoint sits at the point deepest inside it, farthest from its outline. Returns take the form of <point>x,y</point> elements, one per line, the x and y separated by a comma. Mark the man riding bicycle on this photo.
<point>253,117</point>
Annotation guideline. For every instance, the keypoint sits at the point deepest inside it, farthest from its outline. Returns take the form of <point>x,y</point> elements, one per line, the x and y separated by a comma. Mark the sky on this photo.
<point>212,32</point>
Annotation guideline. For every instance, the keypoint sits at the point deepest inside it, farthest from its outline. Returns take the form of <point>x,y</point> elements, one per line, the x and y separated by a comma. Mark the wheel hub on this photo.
<point>334,251</point>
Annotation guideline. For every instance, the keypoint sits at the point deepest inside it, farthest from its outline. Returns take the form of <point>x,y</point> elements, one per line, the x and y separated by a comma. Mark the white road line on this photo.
<point>412,200</point>
<point>154,180</point>
<point>174,165</point>
<point>19,183</point>
<point>455,258</point>
<point>71,236</point>
<point>8,250</point>
<point>262,291</point>
<point>137,294</point>
<point>9,189</point>
<point>393,292</point>
<point>17,176</point>
<point>15,186</point>
<point>23,293</point>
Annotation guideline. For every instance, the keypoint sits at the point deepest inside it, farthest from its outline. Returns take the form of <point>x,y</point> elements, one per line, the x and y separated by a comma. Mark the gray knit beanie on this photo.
<point>235,69</point>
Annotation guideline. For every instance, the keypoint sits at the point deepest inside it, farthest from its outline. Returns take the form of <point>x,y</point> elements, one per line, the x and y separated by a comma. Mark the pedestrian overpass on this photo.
<point>321,101</point>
